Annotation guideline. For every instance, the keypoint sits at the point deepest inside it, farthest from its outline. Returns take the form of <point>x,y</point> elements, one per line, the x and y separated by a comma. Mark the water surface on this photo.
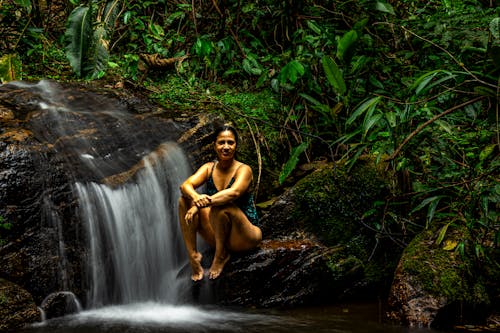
<point>152,317</point>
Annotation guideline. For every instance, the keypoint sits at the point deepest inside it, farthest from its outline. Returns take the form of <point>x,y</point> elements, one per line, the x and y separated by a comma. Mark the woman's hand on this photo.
<point>190,214</point>
<point>202,201</point>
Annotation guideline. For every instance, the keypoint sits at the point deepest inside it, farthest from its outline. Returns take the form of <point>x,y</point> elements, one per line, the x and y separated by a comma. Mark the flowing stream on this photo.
<point>135,250</point>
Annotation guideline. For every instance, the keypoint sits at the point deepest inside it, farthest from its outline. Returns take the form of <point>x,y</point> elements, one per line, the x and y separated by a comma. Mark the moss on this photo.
<point>443,272</point>
<point>331,201</point>
<point>3,298</point>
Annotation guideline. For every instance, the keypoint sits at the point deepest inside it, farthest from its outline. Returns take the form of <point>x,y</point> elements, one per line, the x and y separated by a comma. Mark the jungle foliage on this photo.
<point>413,84</point>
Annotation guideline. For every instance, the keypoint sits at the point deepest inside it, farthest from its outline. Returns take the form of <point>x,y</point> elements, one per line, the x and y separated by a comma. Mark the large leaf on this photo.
<point>494,43</point>
<point>292,161</point>
<point>346,44</point>
<point>78,38</point>
<point>334,75</point>
<point>98,60</point>
<point>368,105</point>
<point>384,7</point>
<point>425,82</point>
<point>110,15</point>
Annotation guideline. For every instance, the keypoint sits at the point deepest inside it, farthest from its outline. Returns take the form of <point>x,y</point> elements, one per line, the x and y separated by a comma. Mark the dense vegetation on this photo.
<point>411,84</point>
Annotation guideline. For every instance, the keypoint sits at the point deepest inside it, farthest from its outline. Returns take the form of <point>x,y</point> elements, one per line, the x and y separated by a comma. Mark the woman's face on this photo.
<point>225,145</point>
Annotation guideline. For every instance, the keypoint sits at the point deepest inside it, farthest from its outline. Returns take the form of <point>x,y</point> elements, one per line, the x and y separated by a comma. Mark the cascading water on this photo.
<point>137,224</point>
<point>134,242</point>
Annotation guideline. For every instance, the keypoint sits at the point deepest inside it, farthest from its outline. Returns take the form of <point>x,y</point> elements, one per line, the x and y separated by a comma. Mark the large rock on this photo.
<point>17,307</point>
<point>278,273</point>
<point>328,206</point>
<point>435,286</point>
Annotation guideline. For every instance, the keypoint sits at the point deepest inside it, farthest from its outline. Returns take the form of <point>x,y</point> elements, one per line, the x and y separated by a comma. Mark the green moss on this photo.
<point>331,201</point>
<point>443,272</point>
<point>3,298</point>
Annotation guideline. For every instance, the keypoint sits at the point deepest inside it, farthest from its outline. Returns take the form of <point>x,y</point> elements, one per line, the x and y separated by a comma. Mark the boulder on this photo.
<point>59,304</point>
<point>435,286</point>
<point>280,273</point>
<point>17,307</point>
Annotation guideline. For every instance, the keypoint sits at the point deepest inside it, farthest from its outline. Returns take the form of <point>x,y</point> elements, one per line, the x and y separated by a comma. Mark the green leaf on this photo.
<point>310,99</point>
<point>291,72</point>
<point>127,16</point>
<point>442,233</point>
<point>156,31</point>
<point>366,105</point>
<point>384,7</point>
<point>314,27</point>
<point>292,161</point>
<point>334,75</point>
<point>445,126</point>
<point>391,118</point>
<point>251,65</point>
<point>345,44</point>
<point>78,38</point>
<point>370,122</point>
<point>487,151</point>
<point>423,83</point>
<point>495,28</point>
<point>24,3</point>
<point>98,60</point>
<point>110,15</point>
<point>426,201</point>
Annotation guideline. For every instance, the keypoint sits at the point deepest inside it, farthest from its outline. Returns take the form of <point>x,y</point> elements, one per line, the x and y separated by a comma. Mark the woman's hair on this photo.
<point>225,127</point>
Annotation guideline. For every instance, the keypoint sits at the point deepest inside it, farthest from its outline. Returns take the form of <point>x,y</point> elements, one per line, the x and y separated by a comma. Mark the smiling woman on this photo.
<point>225,216</point>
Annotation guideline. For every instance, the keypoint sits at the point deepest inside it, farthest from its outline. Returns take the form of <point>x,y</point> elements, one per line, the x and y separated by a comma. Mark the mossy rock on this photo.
<point>461,288</point>
<point>443,271</point>
<point>329,205</point>
<point>331,202</point>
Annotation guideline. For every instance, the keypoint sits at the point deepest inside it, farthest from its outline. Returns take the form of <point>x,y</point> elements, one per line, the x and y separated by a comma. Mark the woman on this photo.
<point>225,215</point>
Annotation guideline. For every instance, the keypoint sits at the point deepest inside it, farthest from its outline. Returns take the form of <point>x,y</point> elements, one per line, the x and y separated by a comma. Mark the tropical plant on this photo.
<point>87,38</point>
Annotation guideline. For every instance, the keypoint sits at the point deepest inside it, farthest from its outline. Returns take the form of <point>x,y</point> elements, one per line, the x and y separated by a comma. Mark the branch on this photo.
<point>428,122</point>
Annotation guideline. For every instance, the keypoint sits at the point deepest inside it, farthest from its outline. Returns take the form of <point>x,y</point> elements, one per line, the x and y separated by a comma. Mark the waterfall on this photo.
<point>135,243</point>
<point>135,247</point>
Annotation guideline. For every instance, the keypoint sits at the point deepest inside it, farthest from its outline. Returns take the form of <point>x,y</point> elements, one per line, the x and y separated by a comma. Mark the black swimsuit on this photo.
<point>245,202</point>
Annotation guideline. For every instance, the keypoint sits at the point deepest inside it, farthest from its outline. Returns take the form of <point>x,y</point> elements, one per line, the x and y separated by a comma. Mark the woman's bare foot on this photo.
<point>196,267</point>
<point>217,265</point>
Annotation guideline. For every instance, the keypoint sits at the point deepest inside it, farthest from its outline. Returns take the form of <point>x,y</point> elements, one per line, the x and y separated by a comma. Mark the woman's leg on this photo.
<point>233,232</point>
<point>199,224</point>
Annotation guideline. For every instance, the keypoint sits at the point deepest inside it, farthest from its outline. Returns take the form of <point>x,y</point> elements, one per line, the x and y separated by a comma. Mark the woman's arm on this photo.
<point>188,188</point>
<point>242,181</point>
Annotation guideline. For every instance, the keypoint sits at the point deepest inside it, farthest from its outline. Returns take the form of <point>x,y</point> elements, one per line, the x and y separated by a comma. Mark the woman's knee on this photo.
<point>182,202</point>
<point>222,211</point>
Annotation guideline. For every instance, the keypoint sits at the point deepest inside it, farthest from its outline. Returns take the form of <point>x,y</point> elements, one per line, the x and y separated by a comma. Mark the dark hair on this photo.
<point>225,127</point>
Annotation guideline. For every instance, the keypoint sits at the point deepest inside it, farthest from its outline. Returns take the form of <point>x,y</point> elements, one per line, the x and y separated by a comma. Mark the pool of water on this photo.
<point>163,318</point>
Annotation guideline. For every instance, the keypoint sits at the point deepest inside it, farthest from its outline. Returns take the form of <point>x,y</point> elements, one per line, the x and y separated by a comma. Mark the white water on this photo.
<point>134,238</point>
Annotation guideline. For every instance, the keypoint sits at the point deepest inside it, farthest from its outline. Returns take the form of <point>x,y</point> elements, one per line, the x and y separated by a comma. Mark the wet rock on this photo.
<point>17,307</point>
<point>44,249</point>
<point>59,304</point>
<point>411,304</point>
<point>279,273</point>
